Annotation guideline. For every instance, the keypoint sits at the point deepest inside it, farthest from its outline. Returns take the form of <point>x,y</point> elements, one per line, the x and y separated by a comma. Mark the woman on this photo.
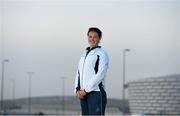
<point>89,82</point>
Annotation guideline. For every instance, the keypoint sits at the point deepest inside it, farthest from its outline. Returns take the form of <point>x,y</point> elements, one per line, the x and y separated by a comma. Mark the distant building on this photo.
<point>160,95</point>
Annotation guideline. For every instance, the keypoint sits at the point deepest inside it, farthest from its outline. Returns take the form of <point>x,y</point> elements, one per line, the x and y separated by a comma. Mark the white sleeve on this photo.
<point>76,82</point>
<point>101,74</point>
<point>76,78</point>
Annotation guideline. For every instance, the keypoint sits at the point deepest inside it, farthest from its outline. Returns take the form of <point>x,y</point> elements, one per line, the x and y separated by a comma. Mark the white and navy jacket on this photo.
<point>92,70</point>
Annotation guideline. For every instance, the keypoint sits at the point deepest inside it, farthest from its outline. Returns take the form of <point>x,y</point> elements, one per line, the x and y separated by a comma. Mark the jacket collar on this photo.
<point>88,49</point>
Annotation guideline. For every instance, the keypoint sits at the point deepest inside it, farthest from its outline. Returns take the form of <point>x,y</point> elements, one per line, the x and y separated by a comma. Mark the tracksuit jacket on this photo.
<point>92,70</point>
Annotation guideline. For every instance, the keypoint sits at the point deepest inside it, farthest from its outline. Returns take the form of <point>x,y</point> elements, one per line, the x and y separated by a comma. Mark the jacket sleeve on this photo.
<point>76,82</point>
<point>101,74</point>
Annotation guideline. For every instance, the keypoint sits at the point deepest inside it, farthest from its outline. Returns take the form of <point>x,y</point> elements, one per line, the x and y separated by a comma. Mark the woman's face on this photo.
<point>93,39</point>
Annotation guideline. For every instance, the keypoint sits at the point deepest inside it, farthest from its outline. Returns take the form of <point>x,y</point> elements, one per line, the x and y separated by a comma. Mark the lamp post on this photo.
<point>2,82</point>
<point>63,88</point>
<point>124,77</point>
<point>2,54</point>
<point>29,100</point>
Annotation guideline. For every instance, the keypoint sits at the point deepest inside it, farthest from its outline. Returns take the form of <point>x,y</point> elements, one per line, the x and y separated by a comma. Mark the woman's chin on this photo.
<point>91,46</point>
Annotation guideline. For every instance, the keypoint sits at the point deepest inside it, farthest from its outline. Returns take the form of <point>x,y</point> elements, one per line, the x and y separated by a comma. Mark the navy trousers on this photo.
<point>94,103</point>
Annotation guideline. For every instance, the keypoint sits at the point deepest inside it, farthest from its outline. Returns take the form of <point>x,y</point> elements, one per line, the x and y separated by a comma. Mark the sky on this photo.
<point>47,37</point>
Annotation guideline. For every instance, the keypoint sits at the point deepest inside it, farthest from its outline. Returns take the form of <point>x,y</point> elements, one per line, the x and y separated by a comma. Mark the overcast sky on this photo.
<point>48,37</point>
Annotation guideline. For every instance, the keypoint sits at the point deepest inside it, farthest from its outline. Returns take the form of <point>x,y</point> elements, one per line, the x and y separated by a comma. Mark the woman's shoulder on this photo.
<point>102,52</point>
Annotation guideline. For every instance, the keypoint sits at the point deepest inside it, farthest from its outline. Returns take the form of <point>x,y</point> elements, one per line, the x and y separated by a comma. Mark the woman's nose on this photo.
<point>93,38</point>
